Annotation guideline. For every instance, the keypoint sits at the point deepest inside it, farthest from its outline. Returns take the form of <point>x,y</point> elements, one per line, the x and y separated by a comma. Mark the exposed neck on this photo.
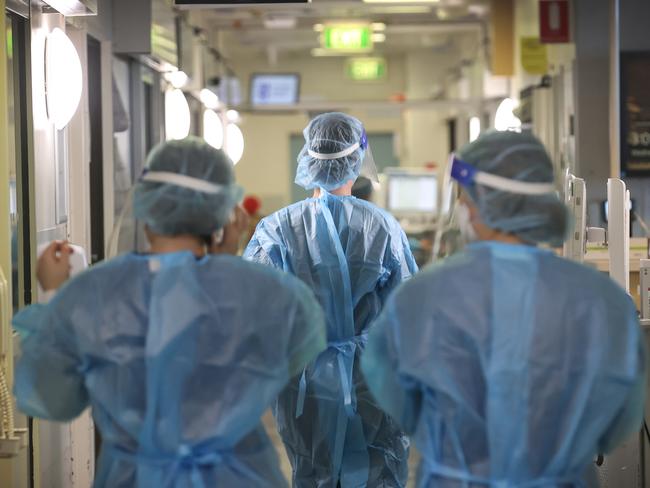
<point>486,234</point>
<point>344,191</point>
<point>168,244</point>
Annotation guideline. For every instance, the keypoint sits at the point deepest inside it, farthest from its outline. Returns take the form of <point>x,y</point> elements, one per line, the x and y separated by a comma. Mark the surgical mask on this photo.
<point>464,220</point>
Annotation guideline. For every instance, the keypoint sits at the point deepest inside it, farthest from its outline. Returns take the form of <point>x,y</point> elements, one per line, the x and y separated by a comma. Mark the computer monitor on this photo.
<point>274,89</point>
<point>412,193</point>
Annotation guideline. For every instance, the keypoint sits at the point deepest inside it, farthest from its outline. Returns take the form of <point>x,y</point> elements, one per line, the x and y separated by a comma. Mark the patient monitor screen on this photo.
<point>412,193</point>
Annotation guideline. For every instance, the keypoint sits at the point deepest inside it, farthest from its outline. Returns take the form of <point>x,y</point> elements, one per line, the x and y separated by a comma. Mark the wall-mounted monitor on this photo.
<point>274,89</point>
<point>635,113</point>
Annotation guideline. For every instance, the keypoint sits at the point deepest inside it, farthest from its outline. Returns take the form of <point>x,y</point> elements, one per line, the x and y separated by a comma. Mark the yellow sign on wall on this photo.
<point>534,56</point>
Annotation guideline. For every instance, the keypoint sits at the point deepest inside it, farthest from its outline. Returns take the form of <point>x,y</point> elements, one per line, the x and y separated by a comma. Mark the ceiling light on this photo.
<point>379,37</point>
<point>443,14</point>
<point>320,52</point>
<point>232,116</point>
<point>213,129</point>
<point>477,9</point>
<point>504,118</point>
<point>474,128</point>
<point>73,8</point>
<point>274,22</point>
<point>401,1</point>
<point>378,26</point>
<point>63,78</point>
<point>234,143</point>
<point>209,98</point>
<point>400,9</point>
<point>177,115</point>
<point>178,79</point>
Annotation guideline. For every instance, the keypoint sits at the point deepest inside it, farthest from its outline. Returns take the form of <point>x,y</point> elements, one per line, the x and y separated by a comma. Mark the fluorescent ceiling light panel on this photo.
<point>409,2</point>
<point>400,9</point>
<point>73,8</point>
<point>280,22</point>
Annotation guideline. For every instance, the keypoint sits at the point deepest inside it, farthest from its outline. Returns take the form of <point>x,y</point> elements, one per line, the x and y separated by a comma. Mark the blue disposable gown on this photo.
<point>513,367</point>
<point>178,358</point>
<point>352,255</point>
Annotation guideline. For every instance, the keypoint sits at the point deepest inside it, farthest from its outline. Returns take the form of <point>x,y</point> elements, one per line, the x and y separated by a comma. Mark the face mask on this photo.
<point>465,223</point>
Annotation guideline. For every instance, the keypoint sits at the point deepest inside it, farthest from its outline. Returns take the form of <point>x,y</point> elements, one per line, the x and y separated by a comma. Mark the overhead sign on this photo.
<point>225,3</point>
<point>347,37</point>
<point>554,21</point>
<point>534,56</point>
<point>366,69</point>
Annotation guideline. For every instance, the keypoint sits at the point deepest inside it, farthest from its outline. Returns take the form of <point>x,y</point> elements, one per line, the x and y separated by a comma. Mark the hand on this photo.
<point>232,233</point>
<point>53,268</point>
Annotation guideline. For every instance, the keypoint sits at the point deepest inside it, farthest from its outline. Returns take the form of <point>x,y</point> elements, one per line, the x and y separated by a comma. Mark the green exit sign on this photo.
<point>347,37</point>
<point>366,69</point>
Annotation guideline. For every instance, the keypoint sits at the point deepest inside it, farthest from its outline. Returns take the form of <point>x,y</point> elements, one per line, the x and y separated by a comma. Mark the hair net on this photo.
<point>330,134</point>
<point>520,157</point>
<point>170,209</point>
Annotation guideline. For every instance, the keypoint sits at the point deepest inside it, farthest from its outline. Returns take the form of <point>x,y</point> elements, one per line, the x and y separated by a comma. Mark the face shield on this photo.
<point>526,209</point>
<point>468,176</point>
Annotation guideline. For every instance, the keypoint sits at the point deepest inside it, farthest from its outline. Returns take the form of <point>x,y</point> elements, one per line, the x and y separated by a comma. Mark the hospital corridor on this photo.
<point>324,244</point>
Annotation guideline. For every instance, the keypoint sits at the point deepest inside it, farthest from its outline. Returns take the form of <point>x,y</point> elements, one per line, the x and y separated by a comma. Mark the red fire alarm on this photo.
<point>554,21</point>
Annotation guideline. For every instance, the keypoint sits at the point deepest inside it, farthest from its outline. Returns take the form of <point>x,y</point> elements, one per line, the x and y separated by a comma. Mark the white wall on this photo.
<point>65,456</point>
<point>421,134</point>
<point>426,136</point>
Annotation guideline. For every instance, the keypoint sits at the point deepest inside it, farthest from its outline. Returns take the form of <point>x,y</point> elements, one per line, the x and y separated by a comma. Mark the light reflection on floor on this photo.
<point>269,423</point>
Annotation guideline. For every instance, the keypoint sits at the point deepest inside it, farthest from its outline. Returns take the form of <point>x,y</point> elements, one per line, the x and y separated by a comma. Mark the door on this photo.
<point>18,471</point>
<point>138,115</point>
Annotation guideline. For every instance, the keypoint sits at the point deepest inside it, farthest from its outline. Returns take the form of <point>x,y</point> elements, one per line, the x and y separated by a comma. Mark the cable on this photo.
<point>7,431</point>
<point>647,431</point>
<point>642,223</point>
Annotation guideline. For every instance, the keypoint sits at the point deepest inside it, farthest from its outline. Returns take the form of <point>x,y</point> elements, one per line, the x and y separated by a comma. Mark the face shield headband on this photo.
<point>368,166</point>
<point>468,175</point>
<point>183,181</point>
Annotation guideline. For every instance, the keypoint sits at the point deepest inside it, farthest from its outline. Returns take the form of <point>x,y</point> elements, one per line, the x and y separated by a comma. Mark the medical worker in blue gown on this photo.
<point>512,366</point>
<point>178,352</point>
<point>352,254</point>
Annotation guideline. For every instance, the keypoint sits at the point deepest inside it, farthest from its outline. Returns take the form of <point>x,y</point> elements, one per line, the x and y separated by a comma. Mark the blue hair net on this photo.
<point>520,157</point>
<point>329,134</point>
<point>171,209</point>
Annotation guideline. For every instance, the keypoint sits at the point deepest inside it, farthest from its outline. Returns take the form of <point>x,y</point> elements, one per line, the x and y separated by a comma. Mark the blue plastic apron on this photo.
<point>345,353</point>
<point>432,468</point>
<point>187,458</point>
